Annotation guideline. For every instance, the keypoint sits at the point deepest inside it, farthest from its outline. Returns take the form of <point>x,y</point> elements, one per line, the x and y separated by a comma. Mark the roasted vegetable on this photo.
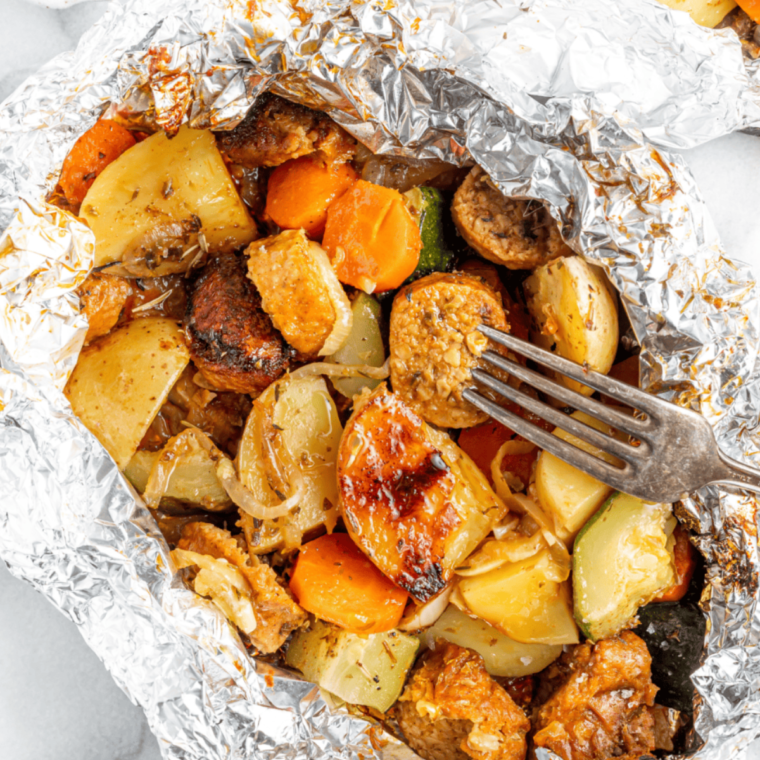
<point>621,560</point>
<point>675,635</point>
<point>300,191</point>
<point>428,207</point>
<point>190,478</point>
<point>292,434</point>
<point>121,381</point>
<point>685,562</point>
<point>223,583</point>
<point>575,314</point>
<point>362,670</point>
<point>711,12</point>
<point>149,208</point>
<point>570,496</point>
<point>528,600</point>
<point>371,237</point>
<point>99,146</point>
<point>300,292</point>
<point>501,655</point>
<point>335,581</point>
<point>364,345</point>
<point>412,500</point>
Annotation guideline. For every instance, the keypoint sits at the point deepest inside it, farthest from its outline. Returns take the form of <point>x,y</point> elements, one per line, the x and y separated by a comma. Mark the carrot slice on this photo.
<point>751,8</point>
<point>685,561</point>
<point>300,191</point>
<point>372,238</point>
<point>482,443</point>
<point>335,581</point>
<point>103,143</point>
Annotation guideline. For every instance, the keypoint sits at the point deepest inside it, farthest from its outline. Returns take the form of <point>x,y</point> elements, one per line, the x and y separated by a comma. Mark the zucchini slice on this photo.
<point>622,559</point>
<point>427,206</point>
<point>362,670</point>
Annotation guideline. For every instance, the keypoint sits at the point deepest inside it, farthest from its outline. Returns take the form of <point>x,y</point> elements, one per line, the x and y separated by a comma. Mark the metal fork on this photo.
<point>676,451</point>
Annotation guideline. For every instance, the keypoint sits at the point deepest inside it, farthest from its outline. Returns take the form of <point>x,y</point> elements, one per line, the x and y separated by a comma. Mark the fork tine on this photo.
<point>585,432</point>
<point>591,406</point>
<point>626,394</point>
<point>598,468</point>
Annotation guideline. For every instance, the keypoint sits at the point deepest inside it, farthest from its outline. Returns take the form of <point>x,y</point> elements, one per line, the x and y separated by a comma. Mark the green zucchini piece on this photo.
<point>622,559</point>
<point>428,207</point>
<point>362,670</point>
<point>674,633</point>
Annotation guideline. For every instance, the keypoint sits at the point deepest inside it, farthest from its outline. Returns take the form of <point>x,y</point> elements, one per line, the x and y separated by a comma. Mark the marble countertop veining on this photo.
<point>57,701</point>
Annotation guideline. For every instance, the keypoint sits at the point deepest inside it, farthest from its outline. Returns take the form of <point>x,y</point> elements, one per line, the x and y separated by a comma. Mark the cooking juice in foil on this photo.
<point>570,103</point>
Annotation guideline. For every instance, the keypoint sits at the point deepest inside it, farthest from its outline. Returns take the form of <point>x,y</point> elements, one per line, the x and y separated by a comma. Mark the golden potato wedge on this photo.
<point>570,496</point>
<point>121,381</point>
<point>149,206</point>
<point>574,314</point>
<point>412,500</point>
<point>501,655</point>
<point>309,432</point>
<point>525,600</point>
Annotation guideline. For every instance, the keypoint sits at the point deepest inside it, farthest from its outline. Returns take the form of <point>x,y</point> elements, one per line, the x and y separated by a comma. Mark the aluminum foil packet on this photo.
<point>573,102</point>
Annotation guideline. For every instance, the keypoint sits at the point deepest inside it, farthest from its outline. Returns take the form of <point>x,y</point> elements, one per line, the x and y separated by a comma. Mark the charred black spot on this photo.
<point>426,585</point>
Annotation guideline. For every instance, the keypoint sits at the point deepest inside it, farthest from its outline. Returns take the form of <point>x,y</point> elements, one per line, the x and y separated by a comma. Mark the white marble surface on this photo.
<point>56,699</point>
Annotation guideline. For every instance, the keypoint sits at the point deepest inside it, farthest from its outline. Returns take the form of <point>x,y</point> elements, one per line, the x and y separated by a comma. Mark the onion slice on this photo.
<point>244,499</point>
<point>176,448</point>
<point>343,370</point>
<point>424,615</point>
<point>344,317</point>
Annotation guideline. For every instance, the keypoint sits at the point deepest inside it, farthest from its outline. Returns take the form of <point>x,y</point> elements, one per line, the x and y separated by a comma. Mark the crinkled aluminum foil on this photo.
<point>560,100</point>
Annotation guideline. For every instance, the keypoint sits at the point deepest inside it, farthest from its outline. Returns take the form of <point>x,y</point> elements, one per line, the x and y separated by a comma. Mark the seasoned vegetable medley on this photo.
<point>281,329</point>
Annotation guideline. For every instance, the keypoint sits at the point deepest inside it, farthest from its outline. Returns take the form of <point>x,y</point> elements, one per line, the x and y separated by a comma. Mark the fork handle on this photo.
<point>738,474</point>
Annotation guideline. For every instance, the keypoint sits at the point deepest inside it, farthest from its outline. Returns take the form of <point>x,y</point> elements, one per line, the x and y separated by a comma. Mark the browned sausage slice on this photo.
<point>232,340</point>
<point>276,130</point>
<point>518,234</point>
<point>435,343</point>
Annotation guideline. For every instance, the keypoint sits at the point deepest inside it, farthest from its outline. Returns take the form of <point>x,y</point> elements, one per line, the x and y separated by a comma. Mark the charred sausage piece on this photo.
<point>276,130</point>
<point>452,709</point>
<point>277,615</point>
<point>435,343</point>
<point>601,702</point>
<point>232,340</point>
<point>103,297</point>
<point>518,234</point>
<point>293,290</point>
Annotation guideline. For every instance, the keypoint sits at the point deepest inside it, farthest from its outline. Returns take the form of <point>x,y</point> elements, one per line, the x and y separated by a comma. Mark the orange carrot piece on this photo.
<point>103,143</point>
<point>335,581</point>
<point>751,8</point>
<point>103,297</point>
<point>300,191</point>
<point>482,443</point>
<point>372,238</point>
<point>685,561</point>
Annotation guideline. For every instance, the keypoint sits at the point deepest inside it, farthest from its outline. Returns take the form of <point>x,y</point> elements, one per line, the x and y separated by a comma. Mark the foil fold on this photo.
<point>573,102</point>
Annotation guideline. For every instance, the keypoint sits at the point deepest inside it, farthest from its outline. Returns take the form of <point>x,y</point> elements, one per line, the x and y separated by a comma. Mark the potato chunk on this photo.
<point>149,206</point>
<point>303,426</point>
<point>574,310</point>
<point>121,381</point>
<point>413,501</point>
